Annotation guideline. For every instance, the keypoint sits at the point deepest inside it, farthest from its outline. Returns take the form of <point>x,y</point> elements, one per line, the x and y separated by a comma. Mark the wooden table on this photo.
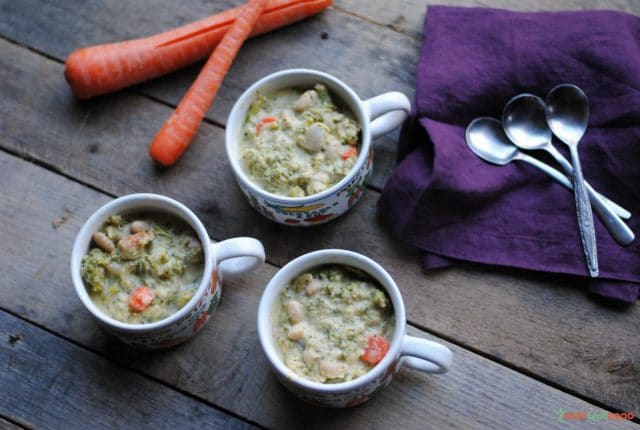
<point>526,346</point>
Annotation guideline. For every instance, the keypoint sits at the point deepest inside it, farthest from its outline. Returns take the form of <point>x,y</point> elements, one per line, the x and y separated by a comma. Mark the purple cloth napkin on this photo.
<point>455,207</point>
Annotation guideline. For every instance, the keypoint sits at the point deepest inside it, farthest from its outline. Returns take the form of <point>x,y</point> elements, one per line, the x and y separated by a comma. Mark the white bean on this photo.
<point>103,241</point>
<point>193,242</point>
<point>332,370</point>
<point>138,226</point>
<point>305,101</point>
<point>313,287</point>
<point>114,269</point>
<point>296,332</point>
<point>333,152</point>
<point>313,138</point>
<point>194,246</point>
<point>310,356</point>
<point>294,310</point>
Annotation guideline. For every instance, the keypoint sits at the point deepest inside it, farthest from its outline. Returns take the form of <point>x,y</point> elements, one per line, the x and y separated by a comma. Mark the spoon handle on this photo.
<point>616,208</point>
<point>616,227</point>
<point>554,173</point>
<point>585,216</point>
<point>568,169</point>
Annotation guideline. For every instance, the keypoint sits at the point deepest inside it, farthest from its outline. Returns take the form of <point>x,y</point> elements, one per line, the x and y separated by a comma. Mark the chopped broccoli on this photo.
<point>92,269</point>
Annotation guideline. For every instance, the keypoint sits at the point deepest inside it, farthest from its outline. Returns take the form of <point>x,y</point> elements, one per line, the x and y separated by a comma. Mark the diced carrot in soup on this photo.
<point>140,298</point>
<point>351,152</point>
<point>375,350</point>
<point>264,121</point>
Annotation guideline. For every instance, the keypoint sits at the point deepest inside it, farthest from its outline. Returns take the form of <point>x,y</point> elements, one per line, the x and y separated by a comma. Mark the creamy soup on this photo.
<point>297,143</point>
<point>332,324</point>
<point>141,269</point>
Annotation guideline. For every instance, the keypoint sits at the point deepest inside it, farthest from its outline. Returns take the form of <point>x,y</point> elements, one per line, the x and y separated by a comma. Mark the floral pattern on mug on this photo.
<point>318,211</point>
<point>376,116</point>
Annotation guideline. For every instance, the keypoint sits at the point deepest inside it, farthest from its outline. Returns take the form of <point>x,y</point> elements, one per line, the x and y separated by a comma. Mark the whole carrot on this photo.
<point>177,132</point>
<point>102,69</point>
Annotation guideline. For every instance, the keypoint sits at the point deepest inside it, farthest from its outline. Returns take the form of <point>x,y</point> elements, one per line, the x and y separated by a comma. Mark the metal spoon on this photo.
<point>525,123</point>
<point>567,111</point>
<point>487,139</point>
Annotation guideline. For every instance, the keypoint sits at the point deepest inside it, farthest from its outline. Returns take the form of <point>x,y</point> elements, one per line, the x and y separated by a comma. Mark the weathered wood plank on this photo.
<point>47,382</point>
<point>81,23</point>
<point>6,425</point>
<point>570,340</point>
<point>223,364</point>
<point>407,16</point>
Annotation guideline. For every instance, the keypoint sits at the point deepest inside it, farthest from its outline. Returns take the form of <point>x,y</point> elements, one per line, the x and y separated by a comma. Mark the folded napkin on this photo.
<point>455,207</point>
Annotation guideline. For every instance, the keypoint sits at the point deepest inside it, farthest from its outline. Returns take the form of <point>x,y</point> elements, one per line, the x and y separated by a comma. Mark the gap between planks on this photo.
<point>337,9</point>
<point>522,370</point>
<point>56,170</point>
<point>235,415</point>
<point>432,332</point>
<point>133,90</point>
<point>374,22</point>
<point>7,423</point>
<point>128,368</point>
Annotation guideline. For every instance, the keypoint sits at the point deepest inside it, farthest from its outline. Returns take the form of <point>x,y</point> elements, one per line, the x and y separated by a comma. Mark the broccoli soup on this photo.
<point>332,324</point>
<point>298,143</point>
<point>142,268</point>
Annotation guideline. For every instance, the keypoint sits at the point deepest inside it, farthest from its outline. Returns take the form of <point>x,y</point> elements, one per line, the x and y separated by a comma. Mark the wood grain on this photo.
<point>224,364</point>
<point>80,23</point>
<point>50,383</point>
<point>6,425</point>
<point>542,324</point>
<point>409,17</point>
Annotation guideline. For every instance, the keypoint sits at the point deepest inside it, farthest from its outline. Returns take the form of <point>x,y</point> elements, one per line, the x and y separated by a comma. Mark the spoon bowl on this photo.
<point>525,122</point>
<point>567,112</point>
<point>486,138</point>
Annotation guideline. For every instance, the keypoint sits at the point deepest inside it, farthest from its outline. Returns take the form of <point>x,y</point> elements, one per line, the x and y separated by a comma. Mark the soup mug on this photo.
<point>376,116</point>
<point>229,257</point>
<point>414,352</point>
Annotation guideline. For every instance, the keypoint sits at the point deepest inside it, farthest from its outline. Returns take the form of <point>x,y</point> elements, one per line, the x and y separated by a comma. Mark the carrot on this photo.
<point>102,69</point>
<point>175,135</point>
<point>351,152</point>
<point>375,350</point>
<point>264,121</point>
<point>140,298</point>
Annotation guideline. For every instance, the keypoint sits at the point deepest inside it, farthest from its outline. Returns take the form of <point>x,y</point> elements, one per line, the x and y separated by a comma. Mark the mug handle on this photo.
<point>387,111</point>
<point>239,254</point>
<point>425,355</point>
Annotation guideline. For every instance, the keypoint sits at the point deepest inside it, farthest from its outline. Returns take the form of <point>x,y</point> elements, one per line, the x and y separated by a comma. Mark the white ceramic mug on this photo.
<point>376,116</point>
<point>414,352</point>
<point>238,254</point>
